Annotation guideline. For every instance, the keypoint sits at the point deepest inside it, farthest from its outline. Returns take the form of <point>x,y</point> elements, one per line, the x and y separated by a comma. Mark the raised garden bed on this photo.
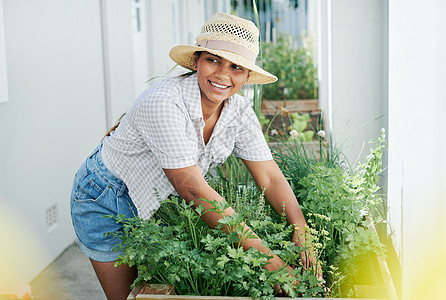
<point>375,283</point>
<point>335,200</point>
<point>380,286</point>
<point>279,117</point>
<point>313,149</point>
<point>273,107</point>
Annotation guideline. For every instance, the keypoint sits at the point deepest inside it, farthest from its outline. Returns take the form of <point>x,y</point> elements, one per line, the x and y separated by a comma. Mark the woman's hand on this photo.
<point>279,194</point>
<point>310,261</point>
<point>302,239</point>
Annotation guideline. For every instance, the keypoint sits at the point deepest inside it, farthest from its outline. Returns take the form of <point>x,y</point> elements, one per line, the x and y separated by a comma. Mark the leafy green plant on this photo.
<point>343,203</point>
<point>295,69</point>
<point>296,159</point>
<point>298,125</point>
<point>176,247</point>
<point>185,252</point>
<point>232,174</point>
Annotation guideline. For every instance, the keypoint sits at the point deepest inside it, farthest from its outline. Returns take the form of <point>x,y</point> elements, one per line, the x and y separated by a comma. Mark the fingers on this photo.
<point>277,290</point>
<point>309,260</point>
<point>306,259</point>
<point>319,271</point>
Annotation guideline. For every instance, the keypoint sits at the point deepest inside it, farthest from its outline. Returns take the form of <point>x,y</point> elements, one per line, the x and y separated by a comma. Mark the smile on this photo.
<point>219,86</point>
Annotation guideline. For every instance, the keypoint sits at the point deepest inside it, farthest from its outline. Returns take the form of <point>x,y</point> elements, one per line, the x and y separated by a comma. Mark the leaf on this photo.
<point>235,253</point>
<point>222,260</point>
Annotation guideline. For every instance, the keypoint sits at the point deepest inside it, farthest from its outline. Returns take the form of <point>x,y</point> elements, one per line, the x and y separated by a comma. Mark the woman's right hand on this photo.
<point>277,288</point>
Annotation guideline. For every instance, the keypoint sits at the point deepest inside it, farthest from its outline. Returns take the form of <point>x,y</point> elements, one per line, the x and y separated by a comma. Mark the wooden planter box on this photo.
<point>273,107</point>
<point>377,284</point>
<point>381,288</point>
<point>312,149</point>
<point>279,111</point>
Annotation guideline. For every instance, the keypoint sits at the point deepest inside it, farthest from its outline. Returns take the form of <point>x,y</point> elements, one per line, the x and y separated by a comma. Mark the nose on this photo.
<point>222,71</point>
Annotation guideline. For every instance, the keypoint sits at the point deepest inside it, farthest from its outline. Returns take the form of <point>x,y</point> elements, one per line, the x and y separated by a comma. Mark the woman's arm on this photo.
<point>279,194</point>
<point>191,186</point>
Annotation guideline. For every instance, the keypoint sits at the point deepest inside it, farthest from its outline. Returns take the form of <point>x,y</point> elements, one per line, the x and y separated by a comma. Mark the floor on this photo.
<point>69,277</point>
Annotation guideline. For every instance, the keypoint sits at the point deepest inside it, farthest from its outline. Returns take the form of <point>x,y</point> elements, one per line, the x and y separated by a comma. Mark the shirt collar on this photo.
<point>192,97</point>
<point>230,115</point>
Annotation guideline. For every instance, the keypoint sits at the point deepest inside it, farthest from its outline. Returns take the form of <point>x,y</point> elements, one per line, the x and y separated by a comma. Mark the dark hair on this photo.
<point>114,127</point>
<point>187,74</point>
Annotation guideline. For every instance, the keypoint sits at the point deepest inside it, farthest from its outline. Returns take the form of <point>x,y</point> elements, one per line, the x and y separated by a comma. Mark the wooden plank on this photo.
<point>180,297</point>
<point>387,278</point>
<point>377,291</point>
<point>134,293</point>
<point>158,289</point>
<point>269,107</point>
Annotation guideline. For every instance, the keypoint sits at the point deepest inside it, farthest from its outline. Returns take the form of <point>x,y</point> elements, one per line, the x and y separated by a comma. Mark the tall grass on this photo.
<point>258,88</point>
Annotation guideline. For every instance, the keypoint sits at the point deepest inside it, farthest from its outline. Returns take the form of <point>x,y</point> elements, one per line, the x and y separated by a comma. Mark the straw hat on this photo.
<point>229,37</point>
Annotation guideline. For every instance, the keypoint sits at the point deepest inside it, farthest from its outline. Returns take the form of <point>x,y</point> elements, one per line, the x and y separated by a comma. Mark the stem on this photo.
<point>320,149</point>
<point>192,231</point>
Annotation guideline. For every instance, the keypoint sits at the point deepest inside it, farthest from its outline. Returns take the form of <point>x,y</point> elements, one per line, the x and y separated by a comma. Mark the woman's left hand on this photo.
<point>310,261</point>
<point>302,239</point>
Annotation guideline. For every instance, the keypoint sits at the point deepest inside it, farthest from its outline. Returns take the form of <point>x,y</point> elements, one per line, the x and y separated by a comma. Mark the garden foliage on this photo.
<point>176,247</point>
<point>295,68</point>
<point>340,202</point>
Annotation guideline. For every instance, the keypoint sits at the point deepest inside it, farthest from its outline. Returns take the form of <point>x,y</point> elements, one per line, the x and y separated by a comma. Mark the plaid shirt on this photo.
<point>163,129</point>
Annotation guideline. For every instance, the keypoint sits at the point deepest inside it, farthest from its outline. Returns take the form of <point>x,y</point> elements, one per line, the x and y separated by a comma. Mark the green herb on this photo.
<point>199,260</point>
<point>342,203</point>
<point>176,247</point>
<point>294,67</point>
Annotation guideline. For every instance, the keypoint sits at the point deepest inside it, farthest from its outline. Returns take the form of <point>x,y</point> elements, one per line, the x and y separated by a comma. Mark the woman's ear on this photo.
<point>247,78</point>
<point>195,62</point>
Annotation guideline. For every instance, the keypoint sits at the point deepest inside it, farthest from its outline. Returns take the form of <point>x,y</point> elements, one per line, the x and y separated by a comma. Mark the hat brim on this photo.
<point>184,56</point>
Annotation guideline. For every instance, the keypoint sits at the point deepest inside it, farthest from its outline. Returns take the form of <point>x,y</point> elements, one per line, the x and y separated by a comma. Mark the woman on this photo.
<point>168,140</point>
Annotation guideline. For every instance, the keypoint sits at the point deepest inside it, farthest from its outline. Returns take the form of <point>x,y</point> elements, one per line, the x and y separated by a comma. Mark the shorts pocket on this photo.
<point>91,190</point>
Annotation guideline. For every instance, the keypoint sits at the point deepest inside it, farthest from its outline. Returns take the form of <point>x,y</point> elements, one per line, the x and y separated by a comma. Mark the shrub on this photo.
<point>295,69</point>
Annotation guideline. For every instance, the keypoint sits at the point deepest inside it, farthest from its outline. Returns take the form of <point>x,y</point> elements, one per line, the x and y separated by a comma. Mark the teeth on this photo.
<point>219,86</point>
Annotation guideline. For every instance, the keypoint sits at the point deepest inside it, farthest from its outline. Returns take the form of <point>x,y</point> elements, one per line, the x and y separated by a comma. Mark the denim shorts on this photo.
<point>97,193</point>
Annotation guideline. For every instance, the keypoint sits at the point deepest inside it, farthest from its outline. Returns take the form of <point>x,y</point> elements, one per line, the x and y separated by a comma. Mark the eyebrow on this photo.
<point>225,59</point>
<point>215,55</point>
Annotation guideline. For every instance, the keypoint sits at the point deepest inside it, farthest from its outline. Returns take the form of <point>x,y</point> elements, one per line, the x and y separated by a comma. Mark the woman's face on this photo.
<point>219,78</point>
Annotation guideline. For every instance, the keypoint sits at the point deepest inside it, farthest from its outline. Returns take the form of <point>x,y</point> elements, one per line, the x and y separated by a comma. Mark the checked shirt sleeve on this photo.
<point>250,144</point>
<point>165,126</point>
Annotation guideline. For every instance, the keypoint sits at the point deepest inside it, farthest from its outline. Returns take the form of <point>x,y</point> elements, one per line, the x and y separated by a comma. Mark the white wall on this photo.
<point>3,76</point>
<point>414,89</point>
<point>55,116</point>
<point>181,23</point>
<point>213,6</point>
<point>118,57</point>
<point>358,67</point>
<point>417,163</point>
<point>70,74</point>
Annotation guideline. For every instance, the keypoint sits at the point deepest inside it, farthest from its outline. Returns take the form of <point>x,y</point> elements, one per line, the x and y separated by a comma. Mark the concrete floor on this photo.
<point>69,277</point>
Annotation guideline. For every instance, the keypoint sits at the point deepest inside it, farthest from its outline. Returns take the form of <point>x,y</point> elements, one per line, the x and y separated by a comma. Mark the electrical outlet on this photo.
<point>51,218</point>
